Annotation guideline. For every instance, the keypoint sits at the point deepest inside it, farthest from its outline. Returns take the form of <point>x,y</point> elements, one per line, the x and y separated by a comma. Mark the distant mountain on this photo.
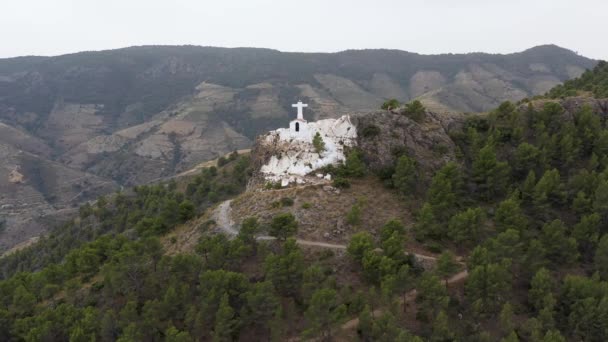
<point>134,115</point>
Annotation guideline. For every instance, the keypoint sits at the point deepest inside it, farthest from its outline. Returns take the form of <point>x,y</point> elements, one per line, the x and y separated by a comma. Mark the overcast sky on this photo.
<point>53,27</point>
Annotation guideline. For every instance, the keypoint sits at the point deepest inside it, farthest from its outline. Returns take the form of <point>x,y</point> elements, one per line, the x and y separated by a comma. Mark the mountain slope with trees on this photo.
<point>523,207</point>
<point>136,115</point>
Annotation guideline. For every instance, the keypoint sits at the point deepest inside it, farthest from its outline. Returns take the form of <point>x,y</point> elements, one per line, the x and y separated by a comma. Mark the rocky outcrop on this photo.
<point>384,136</point>
<point>287,156</point>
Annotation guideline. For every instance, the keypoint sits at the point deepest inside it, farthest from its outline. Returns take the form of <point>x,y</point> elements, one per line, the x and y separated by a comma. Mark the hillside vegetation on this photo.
<point>524,209</point>
<point>136,115</point>
<point>593,81</point>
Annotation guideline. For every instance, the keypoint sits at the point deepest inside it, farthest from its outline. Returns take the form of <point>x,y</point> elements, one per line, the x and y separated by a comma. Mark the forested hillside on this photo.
<point>517,230</point>
<point>593,81</point>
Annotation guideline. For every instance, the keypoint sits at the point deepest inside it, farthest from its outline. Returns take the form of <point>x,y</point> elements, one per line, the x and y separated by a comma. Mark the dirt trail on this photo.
<point>223,218</point>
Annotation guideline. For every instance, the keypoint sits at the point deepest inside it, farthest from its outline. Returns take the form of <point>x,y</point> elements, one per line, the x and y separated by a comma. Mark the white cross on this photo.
<point>300,107</point>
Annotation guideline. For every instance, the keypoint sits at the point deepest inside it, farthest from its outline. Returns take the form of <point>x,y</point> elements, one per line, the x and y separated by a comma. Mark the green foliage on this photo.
<point>467,226</point>
<point>487,287</point>
<point>285,270</point>
<point>594,81</point>
<point>446,266</point>
<point>341,183</point>
<point>353,217</point>
<point>354,165</point>
<point>426,224</point>
<point>318,143</point>
<point>405,176</point>
<point>560,248</point>
<point>283,226</point>
<point>225,323</point>
<point>601,257</point>
<point>360,243</point>
<point>390,104</point>
<point>286,201</point>
<point>323,312</point>
<point>491,175</point>
<point>370,131</point>
<point>415,110</point>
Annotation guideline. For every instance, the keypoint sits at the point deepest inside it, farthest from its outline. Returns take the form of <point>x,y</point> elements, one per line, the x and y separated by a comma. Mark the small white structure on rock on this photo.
<point>294,154</point>
<point>299,126</point>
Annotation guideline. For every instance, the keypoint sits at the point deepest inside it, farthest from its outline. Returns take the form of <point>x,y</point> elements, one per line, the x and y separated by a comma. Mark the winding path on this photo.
<point>223,217</point>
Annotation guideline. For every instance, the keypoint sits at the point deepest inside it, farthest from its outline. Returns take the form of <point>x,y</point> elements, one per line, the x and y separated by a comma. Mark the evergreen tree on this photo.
<point>541,286</point>
<point>506,318</point>
<point>441,329</point>
<point>405,177</point>
<point>283,226</point>
<point>426,225</point>
<point>446,191</point>
<point>323,312</point>
<point>354,165</point>
<point>360,243</point>
<point>318,143</point>
<point>486,287</point>
<point>446,266</point>
<point>467,226</point>
<point>285,270</point>
<point>509,215</point>
<point>560,248</point>
<point>432,295</point>
<point>491,175</point>
<point>260,305</point>
<point>549,191</point>
<point>526,159</point>
<point>601,257</point>
<point>225,322</point>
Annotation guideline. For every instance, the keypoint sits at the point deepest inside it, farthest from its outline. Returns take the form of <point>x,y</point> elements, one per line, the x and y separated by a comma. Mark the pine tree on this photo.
<point>446,266</point>
<point>467,226</point>
<point>405,177</point>
<point>506,318</point>
<point>490,174</point>
<point>426,225</point>
<point>260,305</point>
<point>601,257</point>
<point>359,244</point>
<point>318,143</point>
<point>509,215</point>
<point>225,322</point>
<point>559,247</point>
<point>441,329</point>
<point>283,226</point>
<point>540,286</point>
<point>323,312</point>
<point>285,270</point>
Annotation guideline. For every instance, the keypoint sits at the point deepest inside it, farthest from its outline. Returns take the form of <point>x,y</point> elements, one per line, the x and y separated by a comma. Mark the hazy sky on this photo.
<point>52,27</point>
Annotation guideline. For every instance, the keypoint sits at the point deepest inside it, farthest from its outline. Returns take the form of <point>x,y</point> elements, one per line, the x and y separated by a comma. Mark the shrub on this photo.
<point>390,104</point>
<point>306,205</point>
<point>414,110</point>
<point>370,131</point>
<point>318,143</point>
<point>221,161</point>
<point>341,182</point>
<point>283,226</point>
<point>286,202</point>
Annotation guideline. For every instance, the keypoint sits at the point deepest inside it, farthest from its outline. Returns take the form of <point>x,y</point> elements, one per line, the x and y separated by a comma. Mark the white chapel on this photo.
<point>299,126</point>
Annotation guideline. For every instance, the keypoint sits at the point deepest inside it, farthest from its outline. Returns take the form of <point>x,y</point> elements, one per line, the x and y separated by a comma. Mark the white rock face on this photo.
<point>297,156</point>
